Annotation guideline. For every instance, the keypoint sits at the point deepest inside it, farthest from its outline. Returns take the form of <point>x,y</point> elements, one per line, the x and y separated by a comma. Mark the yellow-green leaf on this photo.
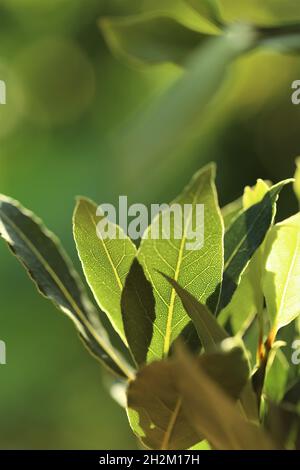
<point>281,278</point>
<point>105,261</point>
<point>297,180</point>
<point>48,266</point>
<point>198,270</point>
<point>243,238</point>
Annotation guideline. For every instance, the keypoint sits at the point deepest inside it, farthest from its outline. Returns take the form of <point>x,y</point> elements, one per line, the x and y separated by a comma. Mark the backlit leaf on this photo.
<point>297,180</point>
<point>48,266</point>
<point>282,272</point>
<point>198,270</point>
<point>243,238</point>
<point>105,261</point>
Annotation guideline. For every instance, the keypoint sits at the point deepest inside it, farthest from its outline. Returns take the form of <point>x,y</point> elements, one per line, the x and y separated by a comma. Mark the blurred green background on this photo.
<point>68,101</point>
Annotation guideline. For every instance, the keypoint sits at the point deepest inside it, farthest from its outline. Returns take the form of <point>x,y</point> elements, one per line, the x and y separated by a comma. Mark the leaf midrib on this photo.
<point>171,425</point>
<point>116,274</point>
<point>168,334</point>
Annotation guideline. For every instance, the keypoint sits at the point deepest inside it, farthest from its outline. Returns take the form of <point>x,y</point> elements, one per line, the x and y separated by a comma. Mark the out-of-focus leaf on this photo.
<point>284,44</point>
<point>283,424</point>
<point>266,13</point>
<point>105,260</point>
<point>172,121</point>
<point>155,398</point>
<point>243,238</point>
<point>48,266</point>
<point>149,38</point>
<point>213,413</point>
<point>208,329</point>
<point>207,8</point>
<point>138,310</point>
<point>282,272</point>
<point>297,180</point>
<point>195,259</point>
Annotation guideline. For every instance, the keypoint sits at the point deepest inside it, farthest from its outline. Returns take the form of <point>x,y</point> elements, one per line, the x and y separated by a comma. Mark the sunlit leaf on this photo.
<point>243,238</point>
<point>48,266</point>
<point>105,260</point>
<point>297,180</point>
<point>282,272</point>
<point>196,267</point>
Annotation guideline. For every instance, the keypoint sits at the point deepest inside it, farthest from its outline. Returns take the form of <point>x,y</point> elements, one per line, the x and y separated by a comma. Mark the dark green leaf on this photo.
<point>138,310</point>
<point>208,329</point>
<point>48,266</point>
<point>283,424</point>
<point>242,239</point>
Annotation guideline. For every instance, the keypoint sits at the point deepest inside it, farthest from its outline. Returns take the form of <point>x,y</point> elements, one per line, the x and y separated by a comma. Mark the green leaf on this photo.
<point>247,300</point>
<point>207,8</point>
<point>208,329</point>
<point>292,395</point>
<point>283,424</point>
<point>138,310</point>
<point>155,399</point>
<point>174,118</point>
<point>48,266</point>
<point>268,12</point>
<point>276,375</point>
<point>150,38</point>
<point>243,238</point>
<point>231,211</point>
<point>282,272</point>
<point>255,194</point>
<point>214,414</point>
<point>199,270</point>
<point>297,180</point>
<point>241,309</point>
<point>105,261</point>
